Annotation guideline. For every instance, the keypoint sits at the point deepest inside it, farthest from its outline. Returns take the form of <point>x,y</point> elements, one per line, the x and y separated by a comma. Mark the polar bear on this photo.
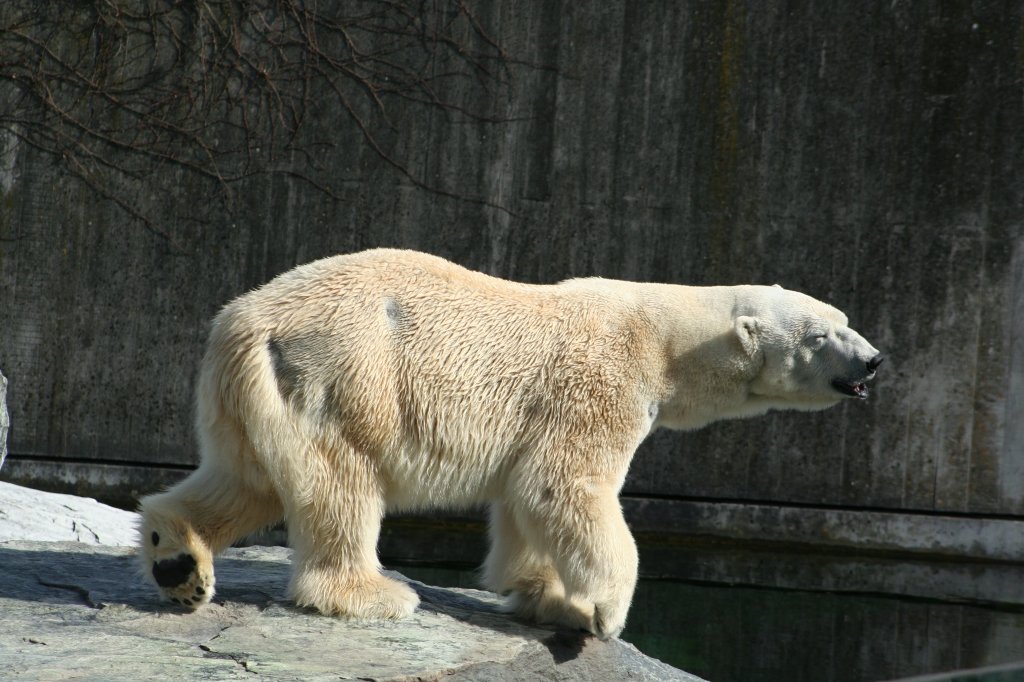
<point>395,380</point>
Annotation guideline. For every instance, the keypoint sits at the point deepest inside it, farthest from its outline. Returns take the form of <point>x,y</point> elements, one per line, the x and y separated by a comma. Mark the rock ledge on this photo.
<point>70,610</point>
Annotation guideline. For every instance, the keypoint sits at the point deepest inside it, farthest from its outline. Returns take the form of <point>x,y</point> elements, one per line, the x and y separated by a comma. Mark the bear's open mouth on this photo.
<point>855,389</point>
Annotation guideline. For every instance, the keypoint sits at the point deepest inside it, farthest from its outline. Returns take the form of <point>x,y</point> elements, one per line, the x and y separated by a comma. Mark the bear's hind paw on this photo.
<point>183,581</point>
<point>374,597</point>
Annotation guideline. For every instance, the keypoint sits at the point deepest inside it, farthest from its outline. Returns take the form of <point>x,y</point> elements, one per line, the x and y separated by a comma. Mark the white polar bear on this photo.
<point>394,380</point>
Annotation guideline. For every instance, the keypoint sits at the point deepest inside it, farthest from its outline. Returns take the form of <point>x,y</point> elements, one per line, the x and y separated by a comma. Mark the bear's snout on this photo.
<point>874,362</point>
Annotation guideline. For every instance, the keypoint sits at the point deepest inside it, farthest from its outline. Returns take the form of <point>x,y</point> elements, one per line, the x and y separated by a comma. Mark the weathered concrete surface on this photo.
<point>27,514</point>
<point>863,152</point>
<point>1013,672</point>
<point>920,535</point>
<point>115,484</point>
<point>75,611</point>
<point>702,554</point>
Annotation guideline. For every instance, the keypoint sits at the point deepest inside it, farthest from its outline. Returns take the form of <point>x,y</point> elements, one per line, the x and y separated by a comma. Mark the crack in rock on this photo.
<point>75,526</point>
<point>94,533</point>
<point>77,589</point>
<point>208,652</point>
<point>239,660</point>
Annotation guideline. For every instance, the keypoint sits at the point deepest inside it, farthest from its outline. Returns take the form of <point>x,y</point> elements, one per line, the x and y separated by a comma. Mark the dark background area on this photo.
<point>154,166</point>
<point>868,154</point>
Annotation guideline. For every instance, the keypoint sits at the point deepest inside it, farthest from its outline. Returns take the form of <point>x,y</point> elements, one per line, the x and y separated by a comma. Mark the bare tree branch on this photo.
<point>229,89</point>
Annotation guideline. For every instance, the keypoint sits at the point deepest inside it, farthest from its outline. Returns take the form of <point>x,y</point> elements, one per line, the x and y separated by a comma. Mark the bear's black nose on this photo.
<point>874,362</point>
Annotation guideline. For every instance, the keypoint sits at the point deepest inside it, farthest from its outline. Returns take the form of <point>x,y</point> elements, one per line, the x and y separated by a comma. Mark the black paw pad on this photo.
<point>173,572</point>
<point>200,591</point>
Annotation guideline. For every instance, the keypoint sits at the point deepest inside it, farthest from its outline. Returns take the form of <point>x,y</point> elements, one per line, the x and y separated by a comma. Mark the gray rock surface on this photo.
<point>27,514</point>
<point>71,610</point>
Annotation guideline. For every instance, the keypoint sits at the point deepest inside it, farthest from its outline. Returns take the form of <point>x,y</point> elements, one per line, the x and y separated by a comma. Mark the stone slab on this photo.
<point>77,611</point>
<point>28,514</point>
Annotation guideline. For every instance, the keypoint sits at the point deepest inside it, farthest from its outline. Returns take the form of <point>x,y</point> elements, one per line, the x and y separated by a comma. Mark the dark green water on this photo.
<point>751,632</point>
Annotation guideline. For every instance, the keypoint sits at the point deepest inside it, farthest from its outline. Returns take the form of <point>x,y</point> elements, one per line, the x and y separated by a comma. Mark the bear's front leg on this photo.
<point>598,561</point>
<point>525,573</point>
<point>581,525</point>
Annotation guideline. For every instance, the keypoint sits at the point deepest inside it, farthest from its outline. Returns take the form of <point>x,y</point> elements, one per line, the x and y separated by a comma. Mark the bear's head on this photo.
<point>805,355</point>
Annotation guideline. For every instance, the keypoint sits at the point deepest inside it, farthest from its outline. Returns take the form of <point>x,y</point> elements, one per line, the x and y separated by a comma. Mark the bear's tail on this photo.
<point>242,420</point>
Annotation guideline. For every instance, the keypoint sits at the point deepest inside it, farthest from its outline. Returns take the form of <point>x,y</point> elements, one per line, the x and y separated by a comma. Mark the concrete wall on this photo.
<point>869,154</point>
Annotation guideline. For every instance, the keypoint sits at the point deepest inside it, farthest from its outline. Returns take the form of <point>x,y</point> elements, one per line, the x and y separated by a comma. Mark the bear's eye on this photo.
<point>155,538</point>
<point>817,340</point>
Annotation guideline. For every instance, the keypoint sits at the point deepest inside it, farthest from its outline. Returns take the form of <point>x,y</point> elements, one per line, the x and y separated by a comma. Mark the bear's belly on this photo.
<point>418,479</point>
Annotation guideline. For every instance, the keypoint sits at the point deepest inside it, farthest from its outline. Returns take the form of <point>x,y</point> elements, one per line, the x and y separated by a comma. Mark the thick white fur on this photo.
<point>393,380</point>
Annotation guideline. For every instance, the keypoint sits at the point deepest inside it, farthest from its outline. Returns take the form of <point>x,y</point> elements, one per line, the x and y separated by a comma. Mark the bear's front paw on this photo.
<point>551,607</point>
<point>609,620</point>
<point>183,581</point>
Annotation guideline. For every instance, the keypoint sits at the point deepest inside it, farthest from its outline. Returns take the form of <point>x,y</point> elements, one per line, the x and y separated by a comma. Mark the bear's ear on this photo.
<point>747,331</point>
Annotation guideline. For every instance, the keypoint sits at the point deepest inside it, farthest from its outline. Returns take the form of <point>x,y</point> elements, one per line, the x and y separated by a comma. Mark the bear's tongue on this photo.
<point>851,388</point>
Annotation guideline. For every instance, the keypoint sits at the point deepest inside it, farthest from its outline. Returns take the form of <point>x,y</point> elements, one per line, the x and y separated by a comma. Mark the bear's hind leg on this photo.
<point>333,522</point>
<point>535,591</point>
<point>185,526</point>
